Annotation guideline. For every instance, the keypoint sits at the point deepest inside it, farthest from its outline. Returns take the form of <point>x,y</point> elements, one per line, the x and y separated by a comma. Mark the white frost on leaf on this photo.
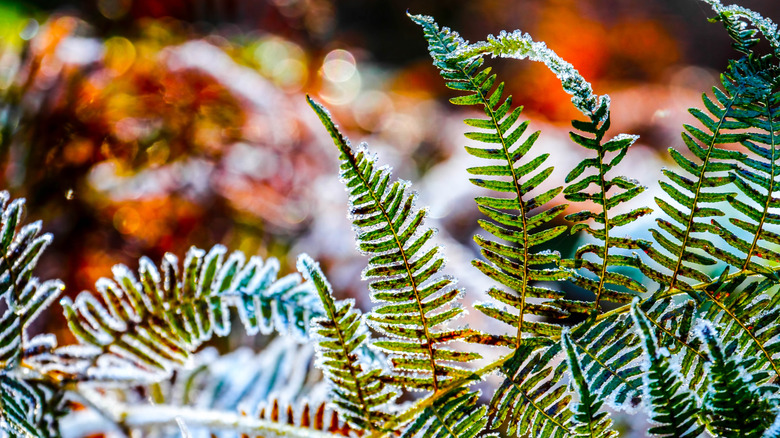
<point>519,45</point>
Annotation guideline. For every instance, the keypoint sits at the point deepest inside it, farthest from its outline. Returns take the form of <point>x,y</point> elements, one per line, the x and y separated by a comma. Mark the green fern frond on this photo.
<point>672,408</point>
<point>611,251</point>
<point>158,321</point>
<point>609,349</point>
<point>733,405</point>
<point>744,110</point>
<point>517,264</point>
<point>456,414</point>
<point>587,420</point>
<point>360,393</point>
<point>404,271</point>
<point>745,37</point>
<point>746,310</point>
<point>30,409</point>
<point>530,401</point>
<point>25,297</point>
<point>609,154</point>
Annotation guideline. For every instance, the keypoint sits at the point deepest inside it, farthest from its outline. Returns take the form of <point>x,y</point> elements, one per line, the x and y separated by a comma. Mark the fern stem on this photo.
<point>426,402</point>
<point>770,189</point>
<point>605,215</point>
<point>673,291</point>
<point>166,415</point>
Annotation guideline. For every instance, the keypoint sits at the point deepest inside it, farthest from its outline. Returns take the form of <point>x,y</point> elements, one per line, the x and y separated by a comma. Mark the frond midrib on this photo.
<point>770,189</point>
<point>604,365</point>
<point>605,215</point>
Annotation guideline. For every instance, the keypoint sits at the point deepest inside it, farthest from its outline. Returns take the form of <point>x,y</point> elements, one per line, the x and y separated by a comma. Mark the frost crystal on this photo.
<point>520,45</point>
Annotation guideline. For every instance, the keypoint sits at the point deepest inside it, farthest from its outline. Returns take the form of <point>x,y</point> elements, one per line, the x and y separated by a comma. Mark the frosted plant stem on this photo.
<point>166,415</point>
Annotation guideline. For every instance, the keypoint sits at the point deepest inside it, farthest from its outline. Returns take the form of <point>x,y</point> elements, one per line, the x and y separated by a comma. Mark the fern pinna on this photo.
<point>403,271</point>
<point>359,392</point>
<point>672,406</point>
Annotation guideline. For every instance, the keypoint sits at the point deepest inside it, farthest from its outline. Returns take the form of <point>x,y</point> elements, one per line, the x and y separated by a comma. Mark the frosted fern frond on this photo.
<point>517,263</point>
<point>22,296</point>
<point>359,392</point>
<point>588,419</point>
<point>733,405</point>
<point>764,25</point>
<point>530,400</point>
<point>158,321</point>
<point>279,385</point>
<point>757,111</point>
<point>610,352</point>
<point>30,409</point>
<point>746,94</point>
<point>672,407</point>
<point>746,310</point>
<point>588,182</point>
<point>404,271</point>
<point>456,414</point>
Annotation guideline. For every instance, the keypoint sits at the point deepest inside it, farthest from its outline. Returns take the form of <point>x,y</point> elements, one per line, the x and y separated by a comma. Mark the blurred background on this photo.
<point>136,127</point>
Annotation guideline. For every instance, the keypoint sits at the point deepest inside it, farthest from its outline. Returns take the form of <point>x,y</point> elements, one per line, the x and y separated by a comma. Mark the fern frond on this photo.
<point>672,408</point>
<point>522,220</point>
<point>745,38</point>
<point>587,421</point>
<point>746,310</point>
<point>30,409</point>
<point>609,349</point>
<point>456,414</point>
<point>404,271</point>
<point>757,111</point>
<point>159,321</point>
<point>733,405</point>
<point>610,251</point>
<point>359,392</point>
<point>743,111</point>
<point>25,297</point>
<point>530,401</point>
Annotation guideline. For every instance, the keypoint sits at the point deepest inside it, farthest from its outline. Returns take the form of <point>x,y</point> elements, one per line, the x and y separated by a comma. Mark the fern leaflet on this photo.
<point>733,407</point>
<point>672,407</point>
<point>359,393</point>
<point>403,271</point>
<point>587,421</point>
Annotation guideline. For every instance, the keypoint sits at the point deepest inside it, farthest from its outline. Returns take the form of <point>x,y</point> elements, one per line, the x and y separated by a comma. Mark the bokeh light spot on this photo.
<point>29,30</point>
<point>339,66</point>
<point>114,9</point>
<point>127,220</point>
<point>120,54</point>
